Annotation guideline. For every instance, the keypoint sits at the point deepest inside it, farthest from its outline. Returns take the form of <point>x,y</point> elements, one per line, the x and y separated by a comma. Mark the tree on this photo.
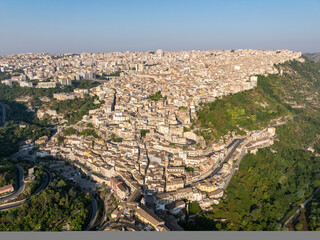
<point>194,207</point>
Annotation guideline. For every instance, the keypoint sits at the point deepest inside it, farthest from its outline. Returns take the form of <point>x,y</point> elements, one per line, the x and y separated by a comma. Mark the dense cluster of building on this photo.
<point>147,143</point>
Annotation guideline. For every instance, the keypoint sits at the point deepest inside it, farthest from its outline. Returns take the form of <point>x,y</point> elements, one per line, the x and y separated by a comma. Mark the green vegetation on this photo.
<point>261,192</point>
<point>115,201</point>
<point>76,116</point>
<point>313,56</point>
<point>185,129</point>
<point>86,132</point>
<point>183,108</point>
<point>194,207</point>
<point>313,213</point>
<point>10,94</point>
<point>20,126</point>
<point>11,134</point>
<point>33,186</point>
<point>155,97</point>
<point>19,113</point>
<point>18,70</point>
<point>115,138</point>
<point>115,74</point>
<point>270,185</point>
<point>89,132</point>
<point>75,109</point>
<point>70,131</point>
<point>105,76</point>
<point>61,204</point>
<point>8,172</point>
<point>189,169</point>
<point>84,84</point>
<point>251,110</point>
<point>143,132</point>
<point>4,75</point>
<point>61,140</point>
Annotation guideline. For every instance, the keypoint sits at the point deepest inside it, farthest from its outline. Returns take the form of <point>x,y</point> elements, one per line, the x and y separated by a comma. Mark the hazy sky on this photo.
<point>59,26</point>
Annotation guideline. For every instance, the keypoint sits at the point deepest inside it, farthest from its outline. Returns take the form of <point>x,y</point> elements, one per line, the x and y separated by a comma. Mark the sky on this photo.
<point>65,26</point>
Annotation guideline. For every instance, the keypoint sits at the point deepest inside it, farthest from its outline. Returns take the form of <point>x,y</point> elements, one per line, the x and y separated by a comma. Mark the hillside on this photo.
<point>248,110</point>
<point>62,206</point>
<point>313,56</point>
<point>270,185</point>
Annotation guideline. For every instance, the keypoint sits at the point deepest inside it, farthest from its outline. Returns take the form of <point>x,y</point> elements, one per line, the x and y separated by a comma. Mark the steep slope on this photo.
<point>248,110</point>
<point>270,185</point>
<point>313,56</point>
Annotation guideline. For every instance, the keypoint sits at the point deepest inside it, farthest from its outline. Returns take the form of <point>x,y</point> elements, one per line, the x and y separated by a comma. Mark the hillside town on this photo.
<point>145,147</point>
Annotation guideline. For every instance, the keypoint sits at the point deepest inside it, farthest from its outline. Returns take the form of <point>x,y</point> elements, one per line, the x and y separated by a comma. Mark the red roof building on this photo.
<point>6,189</point>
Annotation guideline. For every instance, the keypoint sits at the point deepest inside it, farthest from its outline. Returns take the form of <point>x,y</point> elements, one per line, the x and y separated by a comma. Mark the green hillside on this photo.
<point>62,204</point>
<point>313,56</point>
<point>269,186</point>
<point>252,109</point>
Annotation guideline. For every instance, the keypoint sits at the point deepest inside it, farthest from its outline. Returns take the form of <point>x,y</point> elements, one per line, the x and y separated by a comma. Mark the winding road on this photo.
<point>20,185</point>
<point>43,186</point>
<point>302,206</point>
<point>94,213</point>
<point>94,205</point>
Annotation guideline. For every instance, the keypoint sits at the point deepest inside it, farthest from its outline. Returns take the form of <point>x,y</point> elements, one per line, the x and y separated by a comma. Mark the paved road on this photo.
<point>303,205</point>
<point>43,186</point>
<point>20,185</point>
<point>109,141</point>
<point>3,117</point>
<point>227,158</point>
<point>94,213</point>
<point>230,145</point>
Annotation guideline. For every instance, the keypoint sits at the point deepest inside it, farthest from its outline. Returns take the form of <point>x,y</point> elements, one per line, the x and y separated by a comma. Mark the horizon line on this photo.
<point>153,50</point>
